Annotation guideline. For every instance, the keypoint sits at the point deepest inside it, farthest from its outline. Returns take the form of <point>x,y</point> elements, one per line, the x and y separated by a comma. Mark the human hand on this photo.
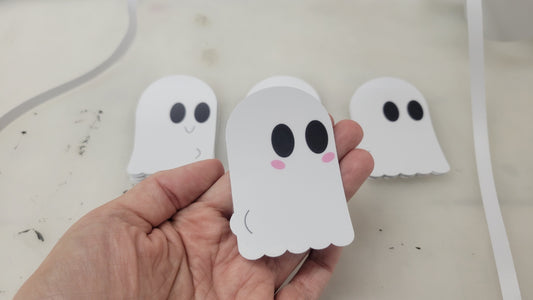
<point>169,237</point>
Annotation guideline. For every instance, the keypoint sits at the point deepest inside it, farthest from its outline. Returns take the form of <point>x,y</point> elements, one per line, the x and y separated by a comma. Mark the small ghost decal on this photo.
<point>175,125</point>
<point>285,179</point>
<point>398,131</point>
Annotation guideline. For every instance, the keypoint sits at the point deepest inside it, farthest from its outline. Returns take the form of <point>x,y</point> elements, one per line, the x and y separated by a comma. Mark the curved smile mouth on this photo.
<point>189,130</point>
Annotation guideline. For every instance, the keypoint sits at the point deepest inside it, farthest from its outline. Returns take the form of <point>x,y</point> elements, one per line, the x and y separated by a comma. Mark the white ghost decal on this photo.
<point>294,82</point>
<point>398,130</point>
<point>175,125</point>
<point>285,178</point>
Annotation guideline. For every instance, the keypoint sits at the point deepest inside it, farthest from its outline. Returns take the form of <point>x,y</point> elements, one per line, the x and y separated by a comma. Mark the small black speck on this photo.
<point>39,235</point>
<point>418,248</point>
<point>401,244</point>
<point>86,139</point>
<point>380,229</point>
<point>100,111</point>
<point>124,191</point>
<point>83,145</point>
<point>23,132</point>
<point>391,248</point>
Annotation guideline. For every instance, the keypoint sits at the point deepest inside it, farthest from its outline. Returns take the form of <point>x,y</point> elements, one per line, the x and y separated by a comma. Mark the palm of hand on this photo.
<point>169,237</point>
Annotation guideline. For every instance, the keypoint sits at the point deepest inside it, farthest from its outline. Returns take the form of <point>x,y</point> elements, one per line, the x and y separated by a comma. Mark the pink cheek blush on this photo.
<point>328,157</point>
<point>278,164</point>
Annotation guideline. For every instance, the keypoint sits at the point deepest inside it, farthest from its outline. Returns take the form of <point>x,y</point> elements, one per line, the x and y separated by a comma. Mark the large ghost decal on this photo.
<point>398,130</point>
<point>175,125</point>
<point>285,178</point>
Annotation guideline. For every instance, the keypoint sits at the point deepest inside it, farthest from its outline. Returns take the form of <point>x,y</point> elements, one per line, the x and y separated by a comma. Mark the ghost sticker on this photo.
<point>285,179</point>
<point>294,82</point>
<point>175,125</point>
<point>398,130</point>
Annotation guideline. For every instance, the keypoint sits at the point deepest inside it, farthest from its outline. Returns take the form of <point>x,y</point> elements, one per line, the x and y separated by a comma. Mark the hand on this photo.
<point>169,237</point>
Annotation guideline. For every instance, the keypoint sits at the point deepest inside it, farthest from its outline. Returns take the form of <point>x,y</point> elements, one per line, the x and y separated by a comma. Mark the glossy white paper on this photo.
<point>289,203</point>
<point>283,80</point>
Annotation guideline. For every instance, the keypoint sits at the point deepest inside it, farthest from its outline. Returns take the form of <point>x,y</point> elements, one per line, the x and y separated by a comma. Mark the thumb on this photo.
<point>160,196</point>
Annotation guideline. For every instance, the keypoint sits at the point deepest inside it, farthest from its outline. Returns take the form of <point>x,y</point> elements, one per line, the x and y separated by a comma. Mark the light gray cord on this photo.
<point>39,99</point>
<point>500,243</point>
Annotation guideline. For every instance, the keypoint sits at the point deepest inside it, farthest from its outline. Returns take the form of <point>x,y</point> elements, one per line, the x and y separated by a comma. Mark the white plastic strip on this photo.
<point>498,236</point>
<point>39,99</point>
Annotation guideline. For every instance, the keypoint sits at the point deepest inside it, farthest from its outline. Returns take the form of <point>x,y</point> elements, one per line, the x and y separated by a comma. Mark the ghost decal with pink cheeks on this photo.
<point>285,179</point>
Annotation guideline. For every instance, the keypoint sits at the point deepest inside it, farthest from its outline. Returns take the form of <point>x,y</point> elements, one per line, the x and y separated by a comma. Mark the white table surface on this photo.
<point>50,177</point>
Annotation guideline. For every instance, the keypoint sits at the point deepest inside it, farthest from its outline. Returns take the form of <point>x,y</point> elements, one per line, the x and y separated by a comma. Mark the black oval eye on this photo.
<point>415,110</point>
<point>282,140</point>
<point>177,112</point>
<point>391,112</point>
<point>201,113</point>
<point>316,136</point>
